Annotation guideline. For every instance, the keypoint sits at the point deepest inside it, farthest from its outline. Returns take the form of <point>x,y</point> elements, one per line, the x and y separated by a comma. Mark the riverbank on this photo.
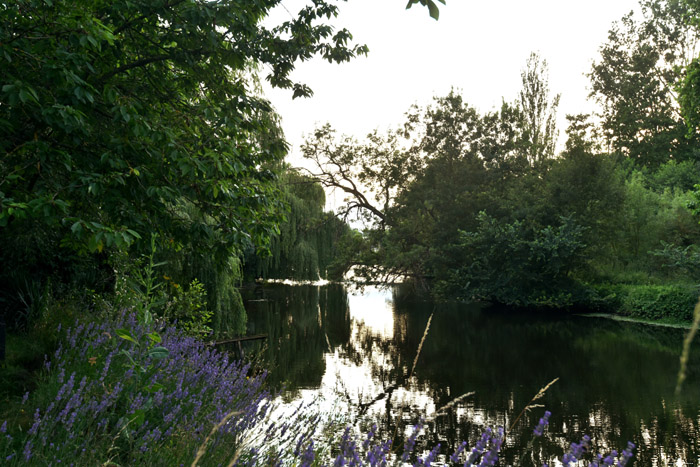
<point>630,319</point>
<point>671,304</point>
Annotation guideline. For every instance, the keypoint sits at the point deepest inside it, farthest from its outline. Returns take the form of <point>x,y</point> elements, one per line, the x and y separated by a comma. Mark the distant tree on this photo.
<point>635,81</point>
<point>308,245</point>
<point>689,88</point>
<point>370,174</point>
<point>538,112</point>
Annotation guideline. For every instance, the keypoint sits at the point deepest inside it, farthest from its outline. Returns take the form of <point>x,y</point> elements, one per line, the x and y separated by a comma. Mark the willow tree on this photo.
<point>308,244</point>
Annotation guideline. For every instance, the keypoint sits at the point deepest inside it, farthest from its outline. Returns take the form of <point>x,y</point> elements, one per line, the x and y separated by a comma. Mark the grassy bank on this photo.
<point>670,304</point>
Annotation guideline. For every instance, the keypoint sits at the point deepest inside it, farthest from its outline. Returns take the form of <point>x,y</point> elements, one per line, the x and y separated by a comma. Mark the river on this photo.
<point>352,352</point>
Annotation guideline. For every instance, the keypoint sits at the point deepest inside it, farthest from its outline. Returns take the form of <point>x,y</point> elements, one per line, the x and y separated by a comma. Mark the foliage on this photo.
<point>649,218</point>
<point>655,302</point>
<point>91,409</point>
<point>553,223</point>
<point>307,246</point>
<point>432,7</point>
<point>635,79</point>
<point>681,260</point>
<point>125,118</point>
<point>188,308</point>
<point>587,187</point>
<point>674,175</point>
<point>518,264</point>
<point>370,174</point>
<point>538,112</point>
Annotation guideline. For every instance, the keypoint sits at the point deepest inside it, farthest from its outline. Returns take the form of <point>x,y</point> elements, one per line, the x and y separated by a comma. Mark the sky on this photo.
<point>478,47</point>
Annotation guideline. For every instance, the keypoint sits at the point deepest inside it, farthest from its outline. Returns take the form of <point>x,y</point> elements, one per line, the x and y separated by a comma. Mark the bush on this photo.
<point>675,302</point>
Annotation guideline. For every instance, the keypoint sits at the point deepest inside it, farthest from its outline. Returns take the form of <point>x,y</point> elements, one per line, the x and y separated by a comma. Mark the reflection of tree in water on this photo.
<point>616,379</point>
<point>301,322</point>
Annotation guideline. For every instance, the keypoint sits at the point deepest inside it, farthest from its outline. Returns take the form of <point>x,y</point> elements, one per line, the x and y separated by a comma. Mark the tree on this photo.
<point>309,244</point>
<point>370,174</point>
<point>538,112</point>
<point>635,81</point>
<point>516,263</point>
<point>689,87</point>
<point>121,118</point>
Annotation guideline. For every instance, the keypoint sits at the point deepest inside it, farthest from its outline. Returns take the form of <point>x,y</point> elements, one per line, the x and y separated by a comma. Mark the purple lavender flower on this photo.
<point>544,421</point>
<point>187,393</point>
<point>410,443</point>
<point>491,456</point>
<point>626,454</point>
<point>480,447</point>
<point>429,459</point>
<point>455,456</point>
<point>576,451</point>
<point>308,456</point>
<point>28,451</point>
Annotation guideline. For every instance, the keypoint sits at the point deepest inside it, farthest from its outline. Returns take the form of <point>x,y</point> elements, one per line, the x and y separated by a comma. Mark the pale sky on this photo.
<point>478,47</point>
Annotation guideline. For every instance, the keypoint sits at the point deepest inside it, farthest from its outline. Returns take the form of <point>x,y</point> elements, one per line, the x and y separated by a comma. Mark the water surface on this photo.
<point>354,351</point>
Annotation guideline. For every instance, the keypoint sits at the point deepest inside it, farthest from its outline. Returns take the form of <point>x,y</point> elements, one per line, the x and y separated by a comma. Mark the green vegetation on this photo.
<point>474,205</point>
<point>124,119</point>
<point>307,245</point>
<point>670,303</point>
<point>142,180</point>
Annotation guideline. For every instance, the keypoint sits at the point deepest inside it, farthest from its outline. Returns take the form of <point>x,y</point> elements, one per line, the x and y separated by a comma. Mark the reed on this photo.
<point>531,405</point>
<point>686,348</point>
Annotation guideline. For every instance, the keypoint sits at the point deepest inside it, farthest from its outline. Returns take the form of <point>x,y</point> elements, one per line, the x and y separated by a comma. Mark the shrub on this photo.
<point>675,302</point>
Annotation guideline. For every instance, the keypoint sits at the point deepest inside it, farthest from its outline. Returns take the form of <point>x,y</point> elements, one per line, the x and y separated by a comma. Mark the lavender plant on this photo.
<point>94,408</point>
<point>373,452</point>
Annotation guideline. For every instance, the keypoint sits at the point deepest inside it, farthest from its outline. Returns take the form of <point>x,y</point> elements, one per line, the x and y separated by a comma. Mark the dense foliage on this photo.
<point>122,119</point>
<point>308,242</point>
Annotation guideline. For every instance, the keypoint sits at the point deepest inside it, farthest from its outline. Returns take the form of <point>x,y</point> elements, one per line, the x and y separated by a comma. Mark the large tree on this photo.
<point>119,118</point>
<point>635,81</point>
<point>539,113</point>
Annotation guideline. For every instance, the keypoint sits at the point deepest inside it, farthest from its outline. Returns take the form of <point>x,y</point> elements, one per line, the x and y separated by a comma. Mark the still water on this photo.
<point>352,352</point>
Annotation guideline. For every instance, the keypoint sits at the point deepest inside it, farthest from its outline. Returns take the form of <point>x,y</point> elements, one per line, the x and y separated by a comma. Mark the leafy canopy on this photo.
<point>119,116</point>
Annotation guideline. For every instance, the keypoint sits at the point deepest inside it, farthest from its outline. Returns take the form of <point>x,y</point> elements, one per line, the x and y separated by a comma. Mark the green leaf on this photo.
<point>158,353</point>
<point>155,387</point>
<point>138,418</point>
<point>125,114</point>
<point>154,337</point>
<point>128,356</point>
<point>126,335</point>
<point>433,9</point>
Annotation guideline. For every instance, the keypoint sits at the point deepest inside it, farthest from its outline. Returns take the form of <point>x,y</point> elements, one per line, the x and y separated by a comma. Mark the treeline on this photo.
<point>482,205</point>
